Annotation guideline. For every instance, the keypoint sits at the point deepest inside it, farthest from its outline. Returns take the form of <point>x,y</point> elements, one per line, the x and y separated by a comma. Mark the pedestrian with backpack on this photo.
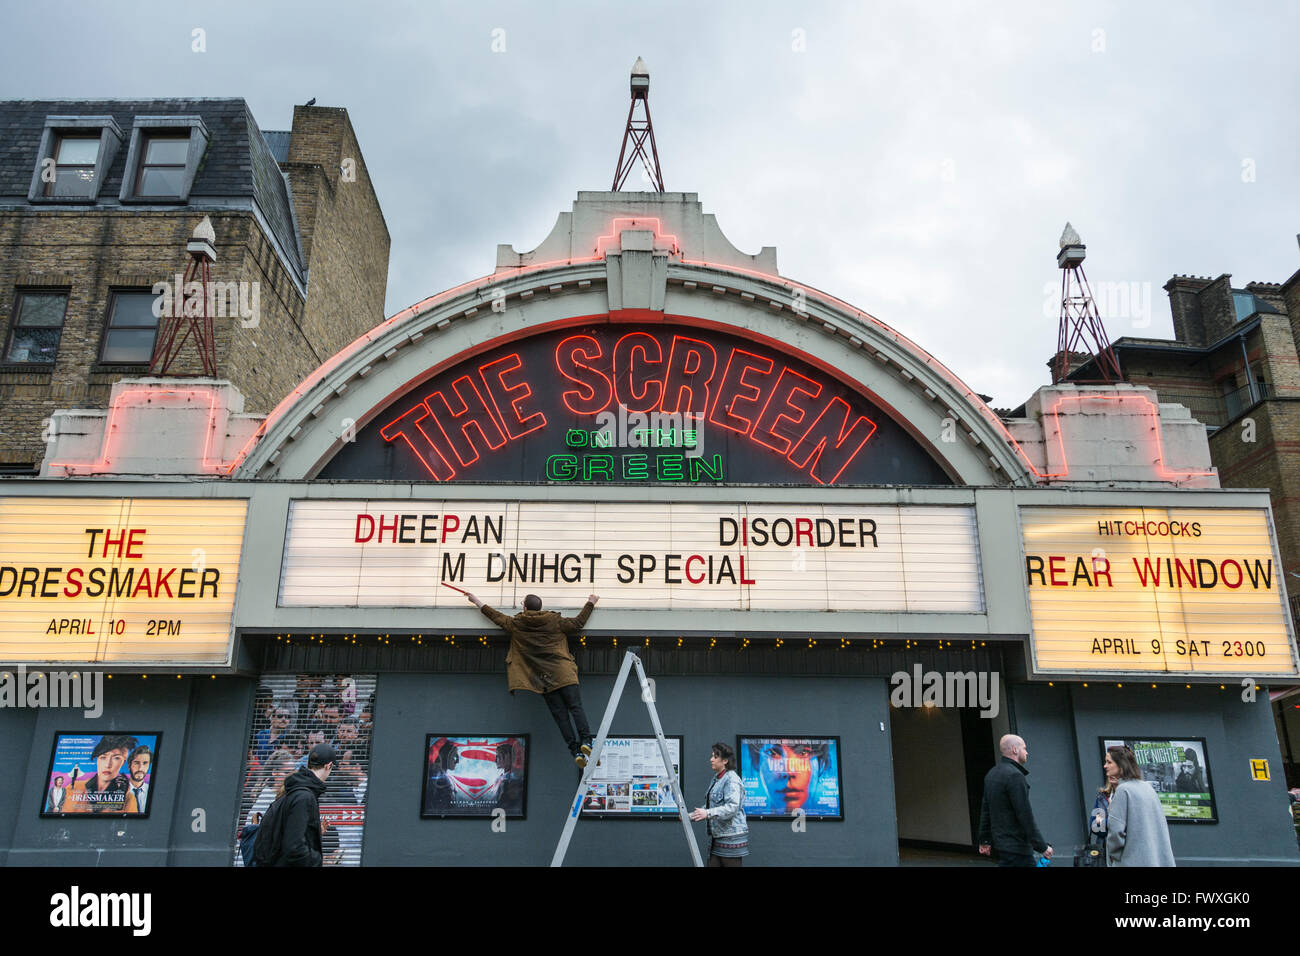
<point>290,834</point>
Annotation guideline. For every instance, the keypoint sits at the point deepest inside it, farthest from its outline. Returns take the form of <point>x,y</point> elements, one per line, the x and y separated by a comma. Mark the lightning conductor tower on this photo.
<point>189,313</point>
<point>1081,328</point>
<point>638,133</point>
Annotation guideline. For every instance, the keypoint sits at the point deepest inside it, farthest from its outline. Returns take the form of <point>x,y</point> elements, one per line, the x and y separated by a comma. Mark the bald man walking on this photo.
<point>1006,820</point>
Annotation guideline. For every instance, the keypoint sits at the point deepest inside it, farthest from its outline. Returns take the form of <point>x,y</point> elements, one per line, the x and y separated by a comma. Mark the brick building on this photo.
<point>97,202</point>
<point>1234,362</point>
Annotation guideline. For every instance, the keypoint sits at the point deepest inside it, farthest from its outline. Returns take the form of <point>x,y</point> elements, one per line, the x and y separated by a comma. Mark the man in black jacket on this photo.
<point>1006,820</point>
<point>300,843</point>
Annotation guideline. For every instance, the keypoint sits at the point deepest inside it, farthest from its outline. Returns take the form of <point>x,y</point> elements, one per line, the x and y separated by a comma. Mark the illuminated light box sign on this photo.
<point>113,580</point>
<point>635,404</point>
<point>663,556</point>
<point>1161,590</point>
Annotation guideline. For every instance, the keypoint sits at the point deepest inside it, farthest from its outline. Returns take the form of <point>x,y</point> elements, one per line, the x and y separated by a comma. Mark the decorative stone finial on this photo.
<point>204,231</point>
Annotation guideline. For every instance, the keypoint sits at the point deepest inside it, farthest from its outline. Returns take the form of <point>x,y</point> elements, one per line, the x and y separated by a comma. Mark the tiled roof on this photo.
<point>278,140</point>
<point>238,163</point>
<point>271,190</point>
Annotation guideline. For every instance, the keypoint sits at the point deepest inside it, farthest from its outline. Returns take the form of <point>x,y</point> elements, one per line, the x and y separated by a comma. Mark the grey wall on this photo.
<point>16,753</point>
<point>1286,712</point>
<point>703,710</point>
<point>210,778</point>
<point>1254,817</point>
<point>1041,715</point>
<point>203,722</point>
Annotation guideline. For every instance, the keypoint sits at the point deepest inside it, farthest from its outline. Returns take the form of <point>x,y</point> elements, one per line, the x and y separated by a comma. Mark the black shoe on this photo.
<point>580,758</point>
<point>585,747</point>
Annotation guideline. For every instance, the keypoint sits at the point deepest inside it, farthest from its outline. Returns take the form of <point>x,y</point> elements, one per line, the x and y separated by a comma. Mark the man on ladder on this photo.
<point>539,660</point>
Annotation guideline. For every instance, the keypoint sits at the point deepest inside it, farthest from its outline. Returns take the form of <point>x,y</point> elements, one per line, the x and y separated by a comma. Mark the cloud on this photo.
<point>917,161</point>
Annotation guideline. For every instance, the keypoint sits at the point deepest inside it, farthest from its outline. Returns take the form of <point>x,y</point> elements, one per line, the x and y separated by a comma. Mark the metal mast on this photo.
<point>638,132</point>
<point>190,314</point>
<point>1081,328</point>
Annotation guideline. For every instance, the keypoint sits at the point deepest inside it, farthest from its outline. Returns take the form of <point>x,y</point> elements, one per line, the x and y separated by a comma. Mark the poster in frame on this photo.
<point>470,776</point>
<point>1178,768</point>
<point>786,773</point>
<point>629,784</point>
<point>101,774</point>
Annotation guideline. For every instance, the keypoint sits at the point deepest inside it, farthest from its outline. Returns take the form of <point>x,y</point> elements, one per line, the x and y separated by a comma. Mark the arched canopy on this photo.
<point>639,277</point>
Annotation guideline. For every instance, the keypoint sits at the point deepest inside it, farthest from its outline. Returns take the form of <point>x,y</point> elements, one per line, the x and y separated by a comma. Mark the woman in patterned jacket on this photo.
<point>724,809</point>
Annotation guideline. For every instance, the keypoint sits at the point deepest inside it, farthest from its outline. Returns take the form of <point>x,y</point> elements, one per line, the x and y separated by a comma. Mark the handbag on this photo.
<point>1090,853</point>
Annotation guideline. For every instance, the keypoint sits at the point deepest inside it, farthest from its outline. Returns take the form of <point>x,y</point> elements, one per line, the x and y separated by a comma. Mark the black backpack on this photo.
<point>248,843</point>
<point>270,835</point>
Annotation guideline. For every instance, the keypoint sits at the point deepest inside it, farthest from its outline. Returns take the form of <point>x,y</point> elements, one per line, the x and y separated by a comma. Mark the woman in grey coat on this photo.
<point>724,808</point>
<point>1136,831</point>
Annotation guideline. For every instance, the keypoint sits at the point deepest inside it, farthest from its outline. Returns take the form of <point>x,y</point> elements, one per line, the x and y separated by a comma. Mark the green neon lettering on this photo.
<point>635,467</point>
<point>701,466</point>
<point>670,467</point>
<point>561,468</point>
<point>602,465</point>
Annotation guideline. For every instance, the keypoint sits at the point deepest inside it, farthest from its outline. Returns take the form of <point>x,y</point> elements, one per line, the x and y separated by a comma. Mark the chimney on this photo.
<point>1185,304</point>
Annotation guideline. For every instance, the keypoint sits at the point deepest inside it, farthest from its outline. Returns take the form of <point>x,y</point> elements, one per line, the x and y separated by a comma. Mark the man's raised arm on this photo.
<point>492,614</point>
<point>572,625</point>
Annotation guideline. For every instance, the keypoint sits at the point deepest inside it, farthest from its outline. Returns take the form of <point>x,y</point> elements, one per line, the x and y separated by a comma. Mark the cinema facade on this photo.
<point>782,503</point>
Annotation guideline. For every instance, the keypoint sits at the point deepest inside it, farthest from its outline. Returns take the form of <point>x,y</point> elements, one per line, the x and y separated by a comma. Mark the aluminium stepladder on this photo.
<point>630,660</point>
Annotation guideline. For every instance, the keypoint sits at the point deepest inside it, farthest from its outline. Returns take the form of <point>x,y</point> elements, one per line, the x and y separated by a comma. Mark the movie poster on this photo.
<point>474,775</point>
<point>629,780</point>
<point>783,775</point>
<point>1179,772</point>
<point>109,774</point>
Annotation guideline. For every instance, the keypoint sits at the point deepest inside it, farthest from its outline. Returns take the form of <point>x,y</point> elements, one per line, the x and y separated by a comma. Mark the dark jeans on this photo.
<point>566,703</point>
<point>725,860</point>
<point>1011,859</point>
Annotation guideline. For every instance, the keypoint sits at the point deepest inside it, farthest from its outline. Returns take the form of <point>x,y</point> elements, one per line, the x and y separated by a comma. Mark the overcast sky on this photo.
<point>918,160</point>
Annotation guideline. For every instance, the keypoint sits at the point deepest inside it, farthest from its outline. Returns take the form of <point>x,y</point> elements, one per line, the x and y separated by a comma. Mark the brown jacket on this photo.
<point>539,658</point>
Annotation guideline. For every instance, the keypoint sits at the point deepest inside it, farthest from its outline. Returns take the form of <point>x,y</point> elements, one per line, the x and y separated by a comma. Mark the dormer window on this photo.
<point>162,169</point>
<point>163,158</point>
<point>73,158</point>
<point>72,172</point>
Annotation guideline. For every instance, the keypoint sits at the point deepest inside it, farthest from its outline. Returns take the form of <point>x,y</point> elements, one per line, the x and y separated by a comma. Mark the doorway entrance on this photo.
<point>941,755</point>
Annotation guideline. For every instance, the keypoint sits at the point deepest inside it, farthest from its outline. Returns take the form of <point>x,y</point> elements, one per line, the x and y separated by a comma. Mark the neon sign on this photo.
<point>632,403</point>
